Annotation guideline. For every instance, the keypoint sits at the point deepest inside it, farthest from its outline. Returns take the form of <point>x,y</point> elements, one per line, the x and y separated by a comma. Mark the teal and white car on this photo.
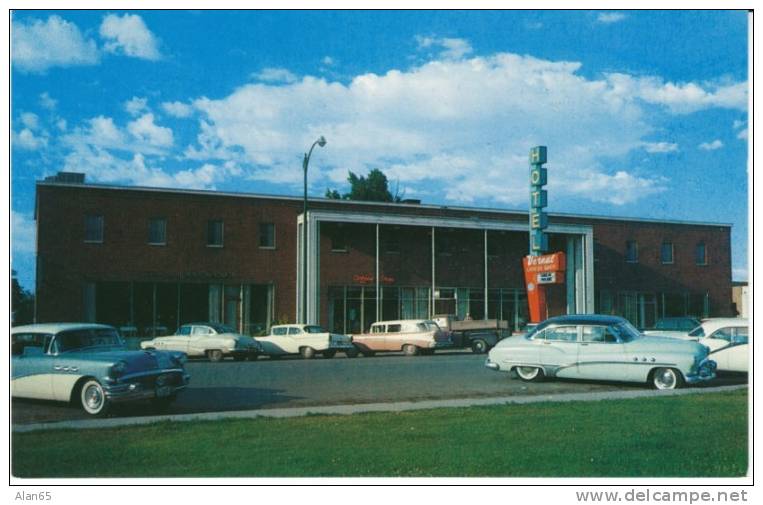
<point>601,348</point>
<point>88,364</point>
<point>307,340</point>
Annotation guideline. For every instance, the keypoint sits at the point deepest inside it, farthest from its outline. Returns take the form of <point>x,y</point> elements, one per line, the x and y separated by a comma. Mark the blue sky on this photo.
<point>644,113</point>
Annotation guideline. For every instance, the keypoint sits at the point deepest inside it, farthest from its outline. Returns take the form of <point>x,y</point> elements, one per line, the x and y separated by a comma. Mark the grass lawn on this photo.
<point>694,435</point>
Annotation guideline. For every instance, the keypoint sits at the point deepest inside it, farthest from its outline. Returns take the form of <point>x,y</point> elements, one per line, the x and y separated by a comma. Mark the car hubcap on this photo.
<point>527,372</point>
<point>665,379</point>
<point>93,398</point>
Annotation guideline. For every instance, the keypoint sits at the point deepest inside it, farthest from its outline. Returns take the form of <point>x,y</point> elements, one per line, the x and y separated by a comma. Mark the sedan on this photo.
<point>728,340</point>
<point>88,364</point>
<point>212,340</point>
<point>601,348</point>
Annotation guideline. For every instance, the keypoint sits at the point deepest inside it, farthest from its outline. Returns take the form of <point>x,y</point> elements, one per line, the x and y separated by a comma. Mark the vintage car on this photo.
<point>412,336</point>
<point>728,340</point>
<point>673,326</point>
<point>601,348</point>
<point>88,364</point>
<point>212,340</point>
<point>306,340</point>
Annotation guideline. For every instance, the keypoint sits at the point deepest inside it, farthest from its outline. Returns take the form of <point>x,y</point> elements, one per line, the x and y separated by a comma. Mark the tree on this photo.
<point>373,188</point>
<point>22,302</point>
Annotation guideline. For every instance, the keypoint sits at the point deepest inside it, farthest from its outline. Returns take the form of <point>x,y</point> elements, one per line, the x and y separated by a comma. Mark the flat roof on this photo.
<point>206,192</point>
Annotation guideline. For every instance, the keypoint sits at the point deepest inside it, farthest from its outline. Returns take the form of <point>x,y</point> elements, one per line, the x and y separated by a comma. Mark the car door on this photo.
<point>275,343</point>
<point>738,352</point>
<point>600,355</point>
<point>31,366</point>
<point>558,352</point>
<point>197,343</point>
<point>394,336</point>
<point>295,339</point>
<point>728,350</point>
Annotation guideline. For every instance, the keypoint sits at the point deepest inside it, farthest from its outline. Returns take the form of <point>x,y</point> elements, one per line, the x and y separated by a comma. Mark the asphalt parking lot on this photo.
<point>293,382</point>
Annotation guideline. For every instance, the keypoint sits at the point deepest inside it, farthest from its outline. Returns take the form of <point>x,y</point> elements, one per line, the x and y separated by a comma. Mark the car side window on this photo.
<point>393,328</point>
<point>279,331</point>
<point>600,334</point>
<point>184,330</point>
<point>726,334</point>
<point>200,331</point>
<point>294,331</point>
<point>562,333</point>
<point>741,335</point>
<point>22,340</point>
<point>379,328</point>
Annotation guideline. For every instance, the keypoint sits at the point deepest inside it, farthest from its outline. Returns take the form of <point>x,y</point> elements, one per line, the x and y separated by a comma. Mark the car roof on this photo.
<point>583,319</point>
<point>717,322</point>
<point>58,327</point>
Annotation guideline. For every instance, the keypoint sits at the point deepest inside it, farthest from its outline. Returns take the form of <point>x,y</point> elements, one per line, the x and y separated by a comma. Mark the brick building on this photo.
<point>150,258</point>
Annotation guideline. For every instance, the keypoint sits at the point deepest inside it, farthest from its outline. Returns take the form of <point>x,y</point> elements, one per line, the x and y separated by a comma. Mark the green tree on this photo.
<point>22,302</point>
<point>372,188</point>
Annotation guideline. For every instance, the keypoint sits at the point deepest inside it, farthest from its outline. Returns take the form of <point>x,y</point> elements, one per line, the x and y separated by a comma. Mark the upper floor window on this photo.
<point>666,253</point>
<point>700,254</point>
<point>631,251</point>
<point>93,228</point>
<point>157,231</point>
<point>215,233</point>
<point>267,235</point>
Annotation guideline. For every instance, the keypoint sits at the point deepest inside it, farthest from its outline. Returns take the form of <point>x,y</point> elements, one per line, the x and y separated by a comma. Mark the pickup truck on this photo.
<point>479,335</point>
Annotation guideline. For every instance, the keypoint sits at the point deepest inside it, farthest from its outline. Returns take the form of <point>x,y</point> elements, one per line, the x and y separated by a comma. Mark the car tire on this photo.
<point>410,350</point>
<point>93,398</point>
<point>530,373</point>
<point>215,355</point>
<point>666,378</point>
<point>479,346</point>
<point>329,354</point>
<point>351,353</point>
<point>307,352</point>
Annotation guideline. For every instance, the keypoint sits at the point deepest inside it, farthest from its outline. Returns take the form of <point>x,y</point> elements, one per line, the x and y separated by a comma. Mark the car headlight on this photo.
<point>118,369</point>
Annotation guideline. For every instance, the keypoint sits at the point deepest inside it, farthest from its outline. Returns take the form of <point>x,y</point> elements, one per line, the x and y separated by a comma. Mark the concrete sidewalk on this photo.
<point>369,407</point>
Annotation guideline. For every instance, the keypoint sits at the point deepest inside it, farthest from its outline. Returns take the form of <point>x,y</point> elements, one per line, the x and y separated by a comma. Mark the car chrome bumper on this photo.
<point>158,386</point>
<point>492,365</point>
<point>705,372</point>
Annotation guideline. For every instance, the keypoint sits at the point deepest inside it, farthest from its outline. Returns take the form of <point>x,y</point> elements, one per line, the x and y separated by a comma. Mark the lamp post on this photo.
<point>305,161</point>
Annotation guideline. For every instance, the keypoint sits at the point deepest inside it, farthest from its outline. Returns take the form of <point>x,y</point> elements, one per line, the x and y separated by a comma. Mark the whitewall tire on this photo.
<point>93,398</point>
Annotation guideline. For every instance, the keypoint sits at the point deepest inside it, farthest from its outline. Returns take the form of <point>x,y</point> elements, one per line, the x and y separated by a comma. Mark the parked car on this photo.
<point>88,364</point>
<point>480,335</point>
<point>601,348</point>
<point>673,326</point>
<point>412,336</point>
<point>306,340</point>
<point>728,340</point>
<point>213,340</point>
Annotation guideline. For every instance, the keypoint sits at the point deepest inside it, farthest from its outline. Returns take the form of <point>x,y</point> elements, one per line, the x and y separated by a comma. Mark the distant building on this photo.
<point>147,258</point>
<point>740,298</point>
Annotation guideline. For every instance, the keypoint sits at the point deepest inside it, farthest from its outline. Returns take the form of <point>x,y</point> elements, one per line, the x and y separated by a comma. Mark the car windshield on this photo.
<point>314,329</point>
<point>221,328</point>
<point>626,331</point>
<point>428,326</point>
<point>699,331</point>
<point>78,340</point>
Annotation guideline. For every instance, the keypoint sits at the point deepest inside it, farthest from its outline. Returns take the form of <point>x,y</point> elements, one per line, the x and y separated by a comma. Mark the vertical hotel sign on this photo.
<point>540,268</point>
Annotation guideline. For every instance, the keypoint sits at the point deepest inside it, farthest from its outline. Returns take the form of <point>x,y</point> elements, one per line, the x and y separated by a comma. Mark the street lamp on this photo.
<point>305,161</point>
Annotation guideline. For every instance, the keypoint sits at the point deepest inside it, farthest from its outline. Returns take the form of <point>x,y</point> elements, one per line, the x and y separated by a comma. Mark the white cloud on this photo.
<point>275,75</point>
<point>128,34</point>
<point>39,45</point>
<point>711,146</point>
<point>27,140</point>
<point>618,189</point>
<point>177,109</point>
<point>610,17</point>
<point>145,130</point>
<point>679,98</point>
<point>660,147</point>
<point>450,48</point>
<point>23,233</point>
<point>103,132</point>
<point>741,126</point>
<point>46,102</point>
<point>30,120</point>
<point>328,61</point>
<point>742,135</point>
<point>135,106</point>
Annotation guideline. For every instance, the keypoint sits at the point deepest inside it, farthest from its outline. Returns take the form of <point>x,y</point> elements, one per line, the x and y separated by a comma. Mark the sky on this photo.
<point>644,112</point>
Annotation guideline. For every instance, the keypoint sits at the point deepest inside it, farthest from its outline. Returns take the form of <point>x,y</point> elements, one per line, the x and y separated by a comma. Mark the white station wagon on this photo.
<point>213,340</point>
<point>306,340</point>
<point>601,348</point>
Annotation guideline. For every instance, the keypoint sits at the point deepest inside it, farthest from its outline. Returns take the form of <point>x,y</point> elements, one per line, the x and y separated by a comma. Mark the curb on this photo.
<point>367,407</point>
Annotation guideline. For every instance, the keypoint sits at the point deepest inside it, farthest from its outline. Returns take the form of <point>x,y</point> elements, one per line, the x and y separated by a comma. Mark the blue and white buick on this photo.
<point>601,348</point>
<point>88,364</point>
